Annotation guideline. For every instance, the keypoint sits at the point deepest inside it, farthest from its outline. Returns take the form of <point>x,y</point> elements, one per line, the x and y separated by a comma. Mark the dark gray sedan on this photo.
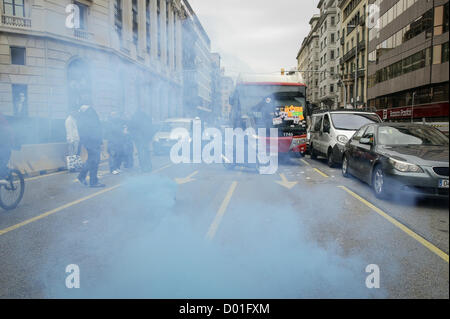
<point>399,157</point>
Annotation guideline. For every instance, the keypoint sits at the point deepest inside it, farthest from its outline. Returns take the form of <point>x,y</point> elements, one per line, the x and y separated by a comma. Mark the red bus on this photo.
<point>273,102</point>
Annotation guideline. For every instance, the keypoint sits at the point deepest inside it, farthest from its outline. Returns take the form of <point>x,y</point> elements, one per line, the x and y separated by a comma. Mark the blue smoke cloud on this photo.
<point>268,253</point>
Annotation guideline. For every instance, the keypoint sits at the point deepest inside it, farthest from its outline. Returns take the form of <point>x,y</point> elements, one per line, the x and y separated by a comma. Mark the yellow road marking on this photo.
<point>56,210</point>
<point>162,168</point>
<point>215,224</point>
<point>285,183</point>
<point>321,173</point>
<point>42,176</point>
<point>188,179</point>
<point>305,162</point>
<point>396,223</point>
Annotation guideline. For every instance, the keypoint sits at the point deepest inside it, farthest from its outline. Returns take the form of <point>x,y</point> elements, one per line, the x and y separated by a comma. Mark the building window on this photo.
<point>118,18</point>
<point>332,55</point>
<point>20,100</point>
<point>445,52</point>
<point>331,88</point>
<point>14,8</point>
<point>446,17</point>
<point>167,34</point>
<point>333,21</point>
<point>83,15</point>
<point>135,21</point>
<point>158,12</point>
<point>18,56</point>
<point>147,25</point>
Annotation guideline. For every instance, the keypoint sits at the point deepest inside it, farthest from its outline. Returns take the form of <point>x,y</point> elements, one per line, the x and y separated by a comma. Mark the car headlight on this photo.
<point>342,139</point>
<point>405,167</point>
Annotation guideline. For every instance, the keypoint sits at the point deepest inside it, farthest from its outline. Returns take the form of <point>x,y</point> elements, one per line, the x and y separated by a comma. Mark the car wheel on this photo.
<point>312,152</point>
<point>345,172</point>
<point>379,183</point>
<point>330,161</point>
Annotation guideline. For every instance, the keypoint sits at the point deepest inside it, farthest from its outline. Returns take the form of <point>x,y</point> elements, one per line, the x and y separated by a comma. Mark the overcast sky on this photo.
<point>257,36</point>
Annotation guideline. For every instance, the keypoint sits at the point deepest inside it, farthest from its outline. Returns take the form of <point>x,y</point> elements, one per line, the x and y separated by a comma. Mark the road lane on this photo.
<point>266,233</point>
<point>428,217</point>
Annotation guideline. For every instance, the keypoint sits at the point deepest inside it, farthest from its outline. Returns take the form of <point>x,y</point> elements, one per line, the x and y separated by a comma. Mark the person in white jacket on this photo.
<point>72,136</point>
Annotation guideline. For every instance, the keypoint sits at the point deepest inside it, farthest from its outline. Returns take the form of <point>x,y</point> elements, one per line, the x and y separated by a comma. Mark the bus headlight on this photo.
<point>298,141</point>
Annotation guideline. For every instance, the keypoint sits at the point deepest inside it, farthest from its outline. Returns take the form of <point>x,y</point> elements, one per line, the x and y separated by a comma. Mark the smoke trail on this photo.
<point>268,253</point>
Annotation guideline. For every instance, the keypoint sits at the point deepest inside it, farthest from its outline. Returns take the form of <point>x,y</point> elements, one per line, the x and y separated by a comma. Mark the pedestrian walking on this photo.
<point>73,141</point>
<point>128,155</point>
<point>91,137</point>
<point>116,140</point>
<point>141,131</point>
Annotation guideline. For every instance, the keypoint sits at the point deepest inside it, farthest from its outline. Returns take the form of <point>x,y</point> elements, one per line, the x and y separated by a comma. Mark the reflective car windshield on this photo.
<point>411,136</point>
<point>352,122</point>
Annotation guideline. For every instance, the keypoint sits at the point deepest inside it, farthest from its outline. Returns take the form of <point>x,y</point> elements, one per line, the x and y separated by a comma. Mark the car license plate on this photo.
<point>443,183</point>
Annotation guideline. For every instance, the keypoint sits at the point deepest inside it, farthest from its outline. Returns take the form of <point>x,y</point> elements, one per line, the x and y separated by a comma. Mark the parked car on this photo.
<point>399,157</point>
<point>162,143</point>
<point>330,131</point>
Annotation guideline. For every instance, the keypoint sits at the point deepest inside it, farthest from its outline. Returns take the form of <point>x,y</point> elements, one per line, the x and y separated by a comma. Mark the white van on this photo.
<point>331,130</point>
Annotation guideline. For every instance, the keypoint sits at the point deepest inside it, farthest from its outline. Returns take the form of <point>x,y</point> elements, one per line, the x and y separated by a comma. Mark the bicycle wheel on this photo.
<point>11,192</point>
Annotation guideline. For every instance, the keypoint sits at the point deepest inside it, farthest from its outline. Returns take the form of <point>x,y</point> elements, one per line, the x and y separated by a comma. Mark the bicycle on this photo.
<point>12,189</point>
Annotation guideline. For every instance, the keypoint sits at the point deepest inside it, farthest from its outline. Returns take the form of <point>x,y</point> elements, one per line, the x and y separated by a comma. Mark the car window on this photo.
<point>370,132</point>
<point>326,122</point>
<point>353,121</point>
<point>360,133</point>
<point>318,124</point>
<point>411,135</point>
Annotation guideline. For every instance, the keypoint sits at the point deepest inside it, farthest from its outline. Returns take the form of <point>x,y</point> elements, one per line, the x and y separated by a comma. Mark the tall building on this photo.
<point>328,28</point>
<point>116,55</point>
<point>198,66</point>
<point>353,40</point>
<point>408,67</point>
<point>308,61</point>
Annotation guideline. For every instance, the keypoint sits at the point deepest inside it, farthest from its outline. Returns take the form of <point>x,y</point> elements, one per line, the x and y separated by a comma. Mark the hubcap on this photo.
<point>344,165</point>
<point>379,181</point>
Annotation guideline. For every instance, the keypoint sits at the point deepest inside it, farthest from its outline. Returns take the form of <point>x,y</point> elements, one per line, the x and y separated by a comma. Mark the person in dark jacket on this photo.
<point>6,145</point>
<point>140,128</point>
<point>91,137</point>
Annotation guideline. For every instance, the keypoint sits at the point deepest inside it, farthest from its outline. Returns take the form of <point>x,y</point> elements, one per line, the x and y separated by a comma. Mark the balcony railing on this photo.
<point>16,21</point>
<point>82,34</point>
<point>350,54</point>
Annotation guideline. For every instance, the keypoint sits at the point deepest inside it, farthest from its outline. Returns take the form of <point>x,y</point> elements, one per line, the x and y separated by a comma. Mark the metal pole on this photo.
<point>356,74</point>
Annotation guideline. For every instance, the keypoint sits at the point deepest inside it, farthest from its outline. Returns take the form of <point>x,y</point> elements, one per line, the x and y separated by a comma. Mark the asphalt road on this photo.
<point>201,231</point>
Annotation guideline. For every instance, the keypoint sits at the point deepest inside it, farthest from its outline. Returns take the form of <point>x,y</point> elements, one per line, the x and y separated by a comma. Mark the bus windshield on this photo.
<point>274,106</point>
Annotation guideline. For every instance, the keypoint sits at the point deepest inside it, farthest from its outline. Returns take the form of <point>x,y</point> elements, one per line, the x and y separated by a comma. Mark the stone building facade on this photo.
<point>124,54</point>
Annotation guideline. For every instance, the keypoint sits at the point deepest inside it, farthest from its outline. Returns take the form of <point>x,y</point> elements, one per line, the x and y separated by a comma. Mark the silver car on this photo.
<point>331,130</point>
